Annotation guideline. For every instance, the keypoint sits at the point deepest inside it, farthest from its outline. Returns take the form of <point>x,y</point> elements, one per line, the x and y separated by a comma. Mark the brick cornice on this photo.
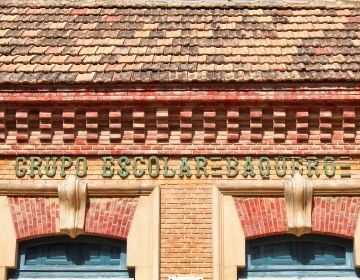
<point>288,93</point>
<point>180,129</point>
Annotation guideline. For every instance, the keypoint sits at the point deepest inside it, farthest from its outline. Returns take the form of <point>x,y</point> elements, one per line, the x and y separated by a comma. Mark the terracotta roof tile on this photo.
<point>80,68</point>
<point>30,78</point>
<point>115,67</point>
<point>75,59</point>
<point>118,43</point>
<point>103,77</point>
<point>44,68</point>
<point>47,77</point>
<point>97,67</point>
<point>66,77</point>
<point>85,77</point>
<point>61,68</point>
<point>92,59</point>
<point>26,68</point>
<point>9,67</point>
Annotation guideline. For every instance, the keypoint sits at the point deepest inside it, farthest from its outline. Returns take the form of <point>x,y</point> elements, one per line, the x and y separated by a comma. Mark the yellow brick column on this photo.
<point>8,244</point>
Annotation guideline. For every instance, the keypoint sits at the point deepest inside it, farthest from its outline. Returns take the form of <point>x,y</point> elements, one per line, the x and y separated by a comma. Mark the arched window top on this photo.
<point>80,257</point>
<point>309,255</point>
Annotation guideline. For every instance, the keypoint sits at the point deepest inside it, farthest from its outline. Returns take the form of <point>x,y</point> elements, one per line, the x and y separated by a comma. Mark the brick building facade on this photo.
<point>185,130</point>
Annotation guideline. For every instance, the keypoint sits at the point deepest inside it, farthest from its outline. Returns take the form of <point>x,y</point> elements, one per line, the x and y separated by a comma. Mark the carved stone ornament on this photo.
<point>298,202</point>
<point>72,199</point>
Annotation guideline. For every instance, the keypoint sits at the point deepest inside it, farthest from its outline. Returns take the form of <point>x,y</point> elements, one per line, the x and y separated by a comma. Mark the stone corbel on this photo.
<point>298,203</point>
<point>72,201</point>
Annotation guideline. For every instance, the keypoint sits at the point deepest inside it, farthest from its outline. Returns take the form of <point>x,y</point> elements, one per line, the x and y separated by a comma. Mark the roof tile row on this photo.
<point>178,44</point>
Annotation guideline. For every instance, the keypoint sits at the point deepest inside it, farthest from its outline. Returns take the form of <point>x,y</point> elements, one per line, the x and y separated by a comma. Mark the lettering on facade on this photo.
<point>199,166</point>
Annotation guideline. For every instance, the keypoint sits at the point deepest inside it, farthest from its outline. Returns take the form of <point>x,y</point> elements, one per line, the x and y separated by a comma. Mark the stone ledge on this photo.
<point>95,189</point>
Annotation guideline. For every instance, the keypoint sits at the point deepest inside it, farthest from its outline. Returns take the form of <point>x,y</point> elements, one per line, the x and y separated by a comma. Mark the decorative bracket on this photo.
<point>298,202</point>
<point>72,200</point>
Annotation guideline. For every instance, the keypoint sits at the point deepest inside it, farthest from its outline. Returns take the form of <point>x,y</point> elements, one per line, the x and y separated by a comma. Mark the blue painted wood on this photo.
<point>80,257</point>
<point>309,255</point>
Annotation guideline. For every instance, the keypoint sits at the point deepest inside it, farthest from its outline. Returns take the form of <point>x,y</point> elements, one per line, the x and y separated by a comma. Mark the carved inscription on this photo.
<point>198,166</point>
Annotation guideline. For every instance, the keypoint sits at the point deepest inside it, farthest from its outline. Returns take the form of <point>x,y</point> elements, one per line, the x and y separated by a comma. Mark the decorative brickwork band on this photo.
<point>298,202</point>
<point>179,130</point>
<point>72,200</point>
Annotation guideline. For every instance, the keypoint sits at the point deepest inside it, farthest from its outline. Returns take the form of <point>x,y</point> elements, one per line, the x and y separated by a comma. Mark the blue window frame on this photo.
<point>308,256</point>
<point>82,257</point>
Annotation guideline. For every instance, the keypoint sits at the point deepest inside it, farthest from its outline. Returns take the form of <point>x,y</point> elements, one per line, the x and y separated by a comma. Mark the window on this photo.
<point>307,257</point>
<point>64,258</point>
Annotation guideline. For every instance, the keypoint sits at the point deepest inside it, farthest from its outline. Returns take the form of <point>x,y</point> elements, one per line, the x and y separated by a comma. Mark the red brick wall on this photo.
<point>335,215</point>
<point>261,216</point>
<point>35,216</point>
<point>38,216</point>
<point>110,217</point>
<point>267,216</point>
